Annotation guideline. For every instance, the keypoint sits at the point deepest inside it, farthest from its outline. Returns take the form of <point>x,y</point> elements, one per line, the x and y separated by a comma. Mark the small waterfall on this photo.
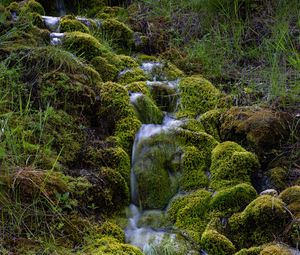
<point>60,6</point>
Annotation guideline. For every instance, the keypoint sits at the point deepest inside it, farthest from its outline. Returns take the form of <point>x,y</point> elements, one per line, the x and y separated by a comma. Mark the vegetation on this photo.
<point>227,75</point>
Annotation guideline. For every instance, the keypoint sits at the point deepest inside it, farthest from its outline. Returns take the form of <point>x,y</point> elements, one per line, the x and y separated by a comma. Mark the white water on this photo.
<point>56,38</point>
<point>52,23</point>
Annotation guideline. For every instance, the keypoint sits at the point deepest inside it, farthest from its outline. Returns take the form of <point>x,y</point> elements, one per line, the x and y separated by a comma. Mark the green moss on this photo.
<point>190,213</point>
<point>211,123</point>
<point>193,125</point>
<point>278,178</point>
<point>155,171</point>
<point>291,197</point>
<point>58,89</point>
<point>131,75</point>
<point>261,221</point>
<point>72,25</point>
<point>171,72</point>
<point>231,164</point>
<point>276,249</point>
<point>250,251</point>
<point>112,230</point>
<point>33,6</point>
<point>83,45</point>
<point>125,132</point>
<point>197,96</point>
<point>147,111</point>
<point>233,199</point>
<point>110,246</point>
<point>126,62</point>
<point>193,169</point>
<point>107,71</point>
<point>118,32</point>
<point>138,87</point>
<point>216,244</point>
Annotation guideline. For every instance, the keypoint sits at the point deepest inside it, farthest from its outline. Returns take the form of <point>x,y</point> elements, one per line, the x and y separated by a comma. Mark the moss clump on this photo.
<point>131,75</point>
<point>197,96</point>
<point>233,199</point>
<point>211,123</point>
<point>193,169</point>
<point>250,251</point>
<point>231,165</point>
<point>107,71</point>
<point>33,6</point>
<point>125,132</point>
<point>262,220</point>
<point>155,171</point>
<point>276,249</point>
<point>262,129</point>
<point>138,87</point>
<point>58,89</point>
<point>278,178</point>
<point>109,246</point>
<point>146,110</point>
<point>216,244</point>
<point>171,72</point>
<point>118,32</point>
<point>83,45</point>
<point>72,25</point>
<point>193,125</point>
<point>112,230</point>
<point>190,213</point>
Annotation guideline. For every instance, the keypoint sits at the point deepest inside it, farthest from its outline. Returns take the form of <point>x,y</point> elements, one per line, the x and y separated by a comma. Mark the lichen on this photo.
<point>197,96</point>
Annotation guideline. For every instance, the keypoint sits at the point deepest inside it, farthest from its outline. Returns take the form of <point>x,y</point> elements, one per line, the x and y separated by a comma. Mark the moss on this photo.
<point>72,25</point>
<point>118,32</point>
<point>58,89</point>
<point>278,178</point>
<point>250,251</point>
<point>109,191</point>
<point>233,199</point>
<point>261,221</point>
<point>33,6</point>
<point>125,132</point>
<point>146,110</point>
<point>110,246</point>
<point>276,249</point>
<point>197,96</point>
<point>138,87</point>
<point>171,72</point>
<point>107,71</point>
<point>155,173</point>
<point>193,125</point>
<point>83,45</point>
<point>153,218</point>
<point>211,123</point>
<point>126,62</point>
<point>112,230</point>
<point>216,244</point>
<point>262,129</point>
<point>131,75</point>
<point>291,197</point>
<point>193,169</point>
<point>231,164</point>
<point>190,213</point>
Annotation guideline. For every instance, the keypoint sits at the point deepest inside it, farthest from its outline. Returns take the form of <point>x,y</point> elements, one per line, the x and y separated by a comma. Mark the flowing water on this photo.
<point>60,7</point>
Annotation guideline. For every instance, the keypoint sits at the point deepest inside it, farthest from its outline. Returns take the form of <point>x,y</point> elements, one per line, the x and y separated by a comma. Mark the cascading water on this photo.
<point>151,240</point>
<point>60,6</point>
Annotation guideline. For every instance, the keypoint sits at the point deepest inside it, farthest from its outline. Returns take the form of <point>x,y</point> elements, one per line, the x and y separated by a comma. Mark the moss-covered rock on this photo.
<point>72,25</point>
<point>107,71</point>
<point>276,249</point>
<point>194,166</point>
<point>262,129</point>
<point>190,213</point>
<point>231,165</point>
<point>216,244</point>
<point>277,178</point>
<point>146,110</point>
<point>233,199</point>
<point>262,221</point>
<point>131,75</point>
<point>250,251</point>
<point>83,45</point>
<point>197,96</point>
<point>155,173</point>
<point>33,6</point>
<point>118,32</point>
<point>112,230</point>
<point>138,87</point>
<point>211,123</point>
